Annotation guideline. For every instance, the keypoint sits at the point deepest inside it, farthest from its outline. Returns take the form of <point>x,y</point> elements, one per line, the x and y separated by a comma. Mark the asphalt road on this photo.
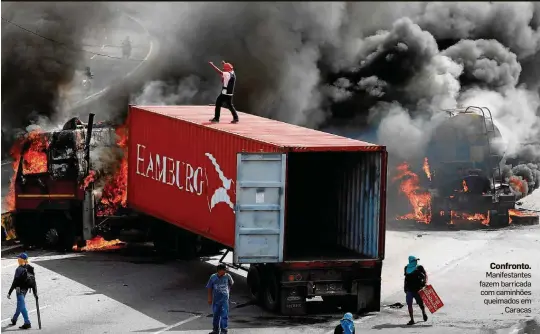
<point>133,291</point>
<point>107,70</point>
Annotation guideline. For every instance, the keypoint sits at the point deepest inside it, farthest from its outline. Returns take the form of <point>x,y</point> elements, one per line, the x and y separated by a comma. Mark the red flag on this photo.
<point>431,298</point>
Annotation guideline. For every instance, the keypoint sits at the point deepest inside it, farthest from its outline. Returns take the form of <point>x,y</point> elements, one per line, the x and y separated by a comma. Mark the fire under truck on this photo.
<point>465,154</point>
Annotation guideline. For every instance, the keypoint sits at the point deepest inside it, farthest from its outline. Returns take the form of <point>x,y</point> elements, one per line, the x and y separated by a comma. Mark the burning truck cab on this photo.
<point>47,192</point>
<point>464,154</point>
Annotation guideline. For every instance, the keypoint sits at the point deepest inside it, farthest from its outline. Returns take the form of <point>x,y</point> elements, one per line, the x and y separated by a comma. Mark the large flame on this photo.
<point>99,243</point>
<point>483,218</point>
<point>419,200</point>
<point>518,185</point>
<point>513,213</point>
<point>114,194</point>
<point>34,160</point>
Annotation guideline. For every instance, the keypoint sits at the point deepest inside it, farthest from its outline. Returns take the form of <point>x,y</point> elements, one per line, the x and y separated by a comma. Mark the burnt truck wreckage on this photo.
<point>57,208</point>
<point>465,154</point>
<point>51,207</point>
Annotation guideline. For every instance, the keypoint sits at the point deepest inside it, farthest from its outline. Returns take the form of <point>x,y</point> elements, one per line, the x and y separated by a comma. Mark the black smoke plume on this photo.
<point>35,70</point>
<point>388,68</point>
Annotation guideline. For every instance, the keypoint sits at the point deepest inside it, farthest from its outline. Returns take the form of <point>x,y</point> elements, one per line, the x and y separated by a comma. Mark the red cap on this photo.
<point>227,67</point>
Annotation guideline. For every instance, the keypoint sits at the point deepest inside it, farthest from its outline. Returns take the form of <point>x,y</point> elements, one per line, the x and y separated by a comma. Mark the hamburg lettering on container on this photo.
<point>183,175</point>
<point>170,171</point>
<point>220,195</point>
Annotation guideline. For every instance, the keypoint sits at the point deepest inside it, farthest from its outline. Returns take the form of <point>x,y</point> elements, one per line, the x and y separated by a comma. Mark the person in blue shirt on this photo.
<point>22,286</point>
<point>219,287</point>
<point>346,325</point>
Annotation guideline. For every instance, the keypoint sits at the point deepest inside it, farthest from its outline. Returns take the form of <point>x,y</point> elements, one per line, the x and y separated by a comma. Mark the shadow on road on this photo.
<point>163,290</point>
<point>389,326</point>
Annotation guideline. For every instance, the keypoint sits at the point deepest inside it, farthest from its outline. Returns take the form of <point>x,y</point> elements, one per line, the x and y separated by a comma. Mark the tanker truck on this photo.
<point>303,208</point>
<point>465,154</point>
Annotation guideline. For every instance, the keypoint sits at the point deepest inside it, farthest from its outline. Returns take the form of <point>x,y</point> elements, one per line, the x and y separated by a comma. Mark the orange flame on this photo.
<point>483,218</point>
<point>98,243</point>
<point>114,193</point>
<point>420,201</point>
<point>465,188</point>
<point>89,179</point>
<point>34,160</point>
<point>518,185</point>
<point>425,167</point>
<point>521,213</point>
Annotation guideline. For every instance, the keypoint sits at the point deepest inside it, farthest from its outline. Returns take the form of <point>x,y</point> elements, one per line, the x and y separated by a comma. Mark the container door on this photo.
<point>260,203</point>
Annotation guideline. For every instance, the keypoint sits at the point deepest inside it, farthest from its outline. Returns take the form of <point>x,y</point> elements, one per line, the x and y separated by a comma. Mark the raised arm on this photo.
<point>215,67</point>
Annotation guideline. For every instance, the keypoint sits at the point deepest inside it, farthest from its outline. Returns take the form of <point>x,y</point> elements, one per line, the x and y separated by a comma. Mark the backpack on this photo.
<point>416,279</point>
<point>28,279</point>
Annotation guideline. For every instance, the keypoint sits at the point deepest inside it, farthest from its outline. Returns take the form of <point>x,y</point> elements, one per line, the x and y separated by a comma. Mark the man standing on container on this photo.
<point>219,287</point>
<point>24,280</point>
<point>228,80</point>
<point>415,280</point>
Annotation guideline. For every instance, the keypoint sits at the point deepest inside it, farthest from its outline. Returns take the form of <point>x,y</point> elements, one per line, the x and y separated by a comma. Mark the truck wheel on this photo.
<point>254,283</point>
<point>271,293</point>
<point>51,238</point>
<point>498,219</point>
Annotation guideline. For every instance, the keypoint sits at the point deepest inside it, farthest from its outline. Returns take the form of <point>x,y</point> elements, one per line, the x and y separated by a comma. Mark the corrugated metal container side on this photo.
<point>334,203</point>
<point>183,169</point>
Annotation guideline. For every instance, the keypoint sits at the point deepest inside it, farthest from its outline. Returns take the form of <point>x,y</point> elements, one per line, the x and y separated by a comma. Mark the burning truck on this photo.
<point>48,199</point>
<point>303,208</point>
<point>463,179</point>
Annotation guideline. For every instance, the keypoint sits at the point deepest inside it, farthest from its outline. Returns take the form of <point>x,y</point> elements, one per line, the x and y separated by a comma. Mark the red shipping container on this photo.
<point>431,298</point>
<point>183,169</point>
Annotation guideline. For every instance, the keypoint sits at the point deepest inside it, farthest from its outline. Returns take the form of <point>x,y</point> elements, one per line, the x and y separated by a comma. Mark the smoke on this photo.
<point>383,68</point>
<point>35,71</point>
<point>387,68</point>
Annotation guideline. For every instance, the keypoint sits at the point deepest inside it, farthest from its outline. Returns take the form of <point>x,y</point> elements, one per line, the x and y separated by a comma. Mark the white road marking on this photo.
<point>132,71</point>
<point>40,308</point>
<point>44,257</point>
<point>94,56</point>
<point>10,248</point>
<point>7,163</point>
<point>178,324</point>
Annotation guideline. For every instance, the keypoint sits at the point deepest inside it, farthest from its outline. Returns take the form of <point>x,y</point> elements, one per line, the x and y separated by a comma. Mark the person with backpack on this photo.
<point>346,325</point>
<point>415,280</point>
<point>23,282</point>
<point>219,287</point>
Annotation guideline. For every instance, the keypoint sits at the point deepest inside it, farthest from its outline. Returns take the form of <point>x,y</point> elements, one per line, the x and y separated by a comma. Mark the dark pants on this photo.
<point>224,101</point>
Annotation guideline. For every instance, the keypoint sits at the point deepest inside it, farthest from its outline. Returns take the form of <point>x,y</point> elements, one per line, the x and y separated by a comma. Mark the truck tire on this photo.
<point>271,293</point>
<point>499,219</point>
<point>52,238</point>
<point>254,284</point>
